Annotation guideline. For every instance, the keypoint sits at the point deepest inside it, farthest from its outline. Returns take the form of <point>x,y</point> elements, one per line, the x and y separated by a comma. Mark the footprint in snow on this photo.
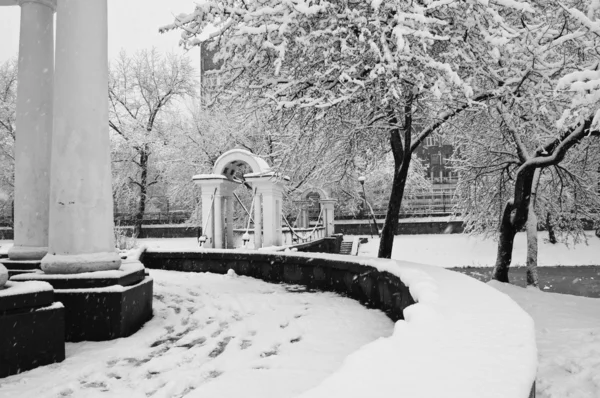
<point>245,344</point>
<point>221,345</point>
<point>273,351</point>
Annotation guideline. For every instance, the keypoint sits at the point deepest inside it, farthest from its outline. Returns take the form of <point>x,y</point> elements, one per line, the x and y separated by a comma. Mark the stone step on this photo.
<point>346,248</point>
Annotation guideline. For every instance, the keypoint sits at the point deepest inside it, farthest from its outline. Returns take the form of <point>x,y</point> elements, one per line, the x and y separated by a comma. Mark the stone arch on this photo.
<point>322,194</point>
<point>229,163</point>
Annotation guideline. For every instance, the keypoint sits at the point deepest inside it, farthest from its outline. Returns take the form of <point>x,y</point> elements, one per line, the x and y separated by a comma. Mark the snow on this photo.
<point>460,250</point>
<point>14,288</point>
<point>450,344</point>
<point>462,339</point>
<point>214,336</point>
<point>568,340</point>
<point>127,267</point>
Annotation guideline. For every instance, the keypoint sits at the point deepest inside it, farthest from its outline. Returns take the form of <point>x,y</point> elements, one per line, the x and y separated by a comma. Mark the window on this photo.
<point>436,159</point>
<point>428,141</point>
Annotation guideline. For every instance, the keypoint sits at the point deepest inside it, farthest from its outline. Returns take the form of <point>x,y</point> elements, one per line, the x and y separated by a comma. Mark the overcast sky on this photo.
<point>132,25</point>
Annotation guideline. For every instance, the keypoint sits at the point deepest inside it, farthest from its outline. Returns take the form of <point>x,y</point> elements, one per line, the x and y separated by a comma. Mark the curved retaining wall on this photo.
<point>460,338</point>
<point>363,283</point>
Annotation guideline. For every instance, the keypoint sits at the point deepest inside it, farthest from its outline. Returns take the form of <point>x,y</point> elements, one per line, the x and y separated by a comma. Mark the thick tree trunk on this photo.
<point>513,220</point>
<point>402,155</point>
<point>143,185</point>
<point>505,244</point>
<point>532,247</point>
<point>391,218</point>
<point>532,235</point>
<point>550,229</point>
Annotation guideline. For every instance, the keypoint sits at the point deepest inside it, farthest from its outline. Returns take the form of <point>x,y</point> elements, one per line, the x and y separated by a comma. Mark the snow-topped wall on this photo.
<point>454,336</point>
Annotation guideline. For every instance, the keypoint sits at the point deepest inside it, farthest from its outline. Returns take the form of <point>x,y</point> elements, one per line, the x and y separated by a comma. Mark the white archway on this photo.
<point>232,161</point>
<point>327,207</point>
<point>217,195</point>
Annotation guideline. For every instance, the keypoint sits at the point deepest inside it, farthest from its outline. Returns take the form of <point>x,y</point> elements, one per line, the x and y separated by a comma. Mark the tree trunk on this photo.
<point>513,220</point>
<point>143,185</point>
<point>550,229</point>
<point>532,247</point>
<point>402,155</point>
<point>532,235</point>
<point>505,244</point>
<point>391,218</point>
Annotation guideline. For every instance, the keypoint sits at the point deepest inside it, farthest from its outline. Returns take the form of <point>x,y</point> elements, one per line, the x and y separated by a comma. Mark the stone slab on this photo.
<point>21,264</point>
<point>25,301</point>
<point>107,313</point>
<point>129,276</point>
<point>31,338</point>
<point>13,272</point>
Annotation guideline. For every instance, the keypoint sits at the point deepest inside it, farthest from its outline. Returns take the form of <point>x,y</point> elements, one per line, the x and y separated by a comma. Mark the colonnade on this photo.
<point>63,195</point>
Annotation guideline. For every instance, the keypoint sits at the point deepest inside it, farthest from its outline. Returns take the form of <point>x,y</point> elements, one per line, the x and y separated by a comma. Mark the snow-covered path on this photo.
<point>459,250</point>
<point>568,340</point>
<point>214,336</point>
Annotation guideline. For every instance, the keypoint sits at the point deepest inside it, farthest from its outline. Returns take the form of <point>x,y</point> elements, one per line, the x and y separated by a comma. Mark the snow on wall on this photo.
<point>461,339</point>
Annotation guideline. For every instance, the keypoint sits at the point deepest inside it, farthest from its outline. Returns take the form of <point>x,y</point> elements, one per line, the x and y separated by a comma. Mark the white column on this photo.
<point>207,215</point>
<point>229,199</point>
<point>302,221</point>
<point>269,219</point>
<point>34,130</point>
<point>272,218</point>
<point>328,206</point>
<point>218,216</point>
<point>257,222</point>
<point>272,198</point>
<point>81,231</point>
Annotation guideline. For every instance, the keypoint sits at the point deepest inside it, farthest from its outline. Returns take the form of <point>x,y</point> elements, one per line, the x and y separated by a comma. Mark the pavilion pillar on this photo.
<point>257,221</point>
<point>207,216</point>
<point>81,229</point>
<point>302,221</point>
<point>328,206</point>
<point>218,217</point>
<point>229,219</point>
<point>272,199</point>
<point>216,189</point>
<point>34,129</point>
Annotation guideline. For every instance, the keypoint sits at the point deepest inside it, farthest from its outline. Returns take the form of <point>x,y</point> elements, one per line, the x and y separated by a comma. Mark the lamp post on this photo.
<point>362,180</point>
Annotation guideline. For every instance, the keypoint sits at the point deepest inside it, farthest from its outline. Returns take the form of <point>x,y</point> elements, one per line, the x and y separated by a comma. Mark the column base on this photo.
<point>32,327</point>
<point>79,263</point>
<point>27,253</point>
<point>101,306</point>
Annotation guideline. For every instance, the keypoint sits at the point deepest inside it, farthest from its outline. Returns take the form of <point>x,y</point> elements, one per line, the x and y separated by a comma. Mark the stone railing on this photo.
<point>442,317</point>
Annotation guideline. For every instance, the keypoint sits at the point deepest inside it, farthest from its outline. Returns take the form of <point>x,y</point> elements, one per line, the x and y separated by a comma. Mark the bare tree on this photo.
<point>8,103</point>
<point>142,89</point>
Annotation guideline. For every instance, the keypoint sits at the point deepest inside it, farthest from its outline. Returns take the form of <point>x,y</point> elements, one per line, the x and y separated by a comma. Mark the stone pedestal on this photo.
<point>31,325</point>
<point>81,232</point>
<point>34,129</point>
<point>101,305</point>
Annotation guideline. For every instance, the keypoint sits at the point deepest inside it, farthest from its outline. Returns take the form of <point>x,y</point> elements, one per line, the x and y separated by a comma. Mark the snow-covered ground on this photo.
<point>446,250</point>
<point>567,327</point>
<point>568,341</point>
<point>458,250</point>
<point>214,336</point>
